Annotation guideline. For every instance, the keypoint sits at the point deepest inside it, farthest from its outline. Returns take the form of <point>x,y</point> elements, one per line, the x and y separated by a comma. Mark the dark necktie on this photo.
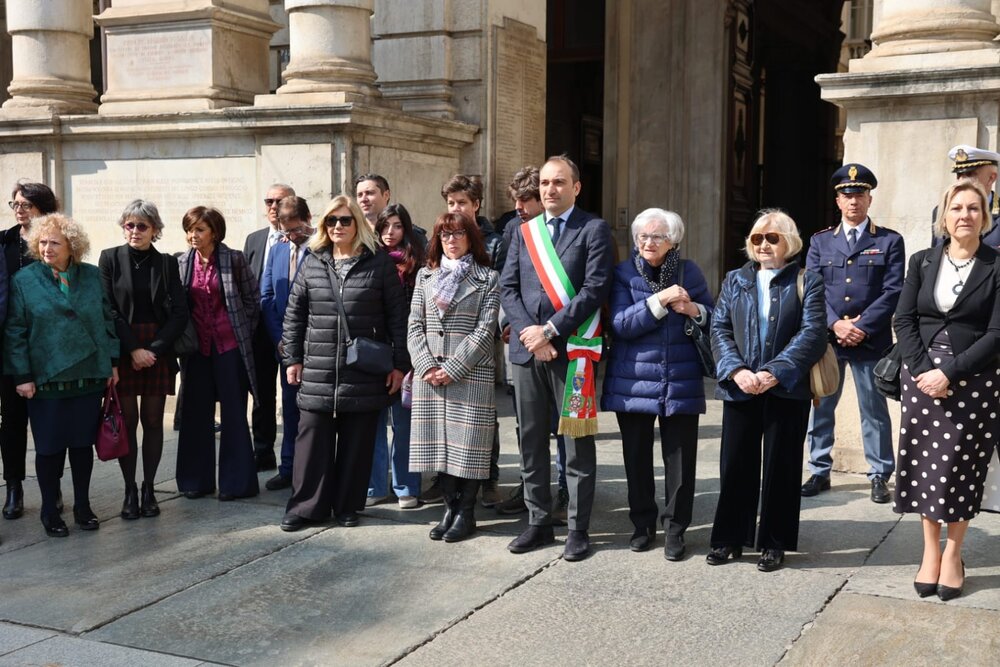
<point>852,238</point>
<point>556,223</point>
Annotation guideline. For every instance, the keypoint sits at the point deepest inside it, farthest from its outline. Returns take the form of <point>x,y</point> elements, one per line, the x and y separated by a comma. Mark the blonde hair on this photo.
<point>76,238</point>
<point>782,223</point>
<point>963,185</point>
<point>365,235</point>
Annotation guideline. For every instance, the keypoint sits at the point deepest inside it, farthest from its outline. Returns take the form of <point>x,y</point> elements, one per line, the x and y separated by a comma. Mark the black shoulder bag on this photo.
<point>363,354</point>
<point>702,341</point>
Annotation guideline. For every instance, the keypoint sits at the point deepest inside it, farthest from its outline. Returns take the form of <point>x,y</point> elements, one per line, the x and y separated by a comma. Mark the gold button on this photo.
<point>850,261</point>
<point>847,317</point>
<point>848,280</point>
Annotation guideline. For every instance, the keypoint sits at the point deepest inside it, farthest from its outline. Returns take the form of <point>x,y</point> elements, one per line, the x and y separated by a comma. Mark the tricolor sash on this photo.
<point>583,347</point>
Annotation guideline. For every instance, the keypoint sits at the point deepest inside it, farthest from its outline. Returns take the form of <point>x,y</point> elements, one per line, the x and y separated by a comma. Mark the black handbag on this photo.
<point>887,373</point>
<point>699,336</point>
<point>363,354</point>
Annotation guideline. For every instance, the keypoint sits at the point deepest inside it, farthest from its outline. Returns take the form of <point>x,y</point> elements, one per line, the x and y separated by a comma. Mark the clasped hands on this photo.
<point>933,383</point>
<point>534,340</point>
<point>437,377</point>
<point>677,298</point>
<point>754,383</point>
<point>142,358</point>
<point>847,334</point>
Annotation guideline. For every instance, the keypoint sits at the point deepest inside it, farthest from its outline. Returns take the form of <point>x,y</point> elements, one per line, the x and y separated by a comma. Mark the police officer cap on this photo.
<point>969,158</point>
<point>853,177</point>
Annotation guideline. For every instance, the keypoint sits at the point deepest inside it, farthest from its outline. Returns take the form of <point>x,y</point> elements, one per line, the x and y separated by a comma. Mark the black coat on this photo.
<point>169,298</point>
<point>376,308</point>
<point>973,323</point>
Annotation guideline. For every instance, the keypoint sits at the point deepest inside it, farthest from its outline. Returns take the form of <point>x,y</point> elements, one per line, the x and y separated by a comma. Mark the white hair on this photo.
<point>671,222</point>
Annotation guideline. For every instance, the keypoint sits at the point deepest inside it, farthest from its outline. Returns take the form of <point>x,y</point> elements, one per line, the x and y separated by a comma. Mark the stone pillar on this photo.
<point>50,52</point>
<point>169,56</point>
<point>330,54</point>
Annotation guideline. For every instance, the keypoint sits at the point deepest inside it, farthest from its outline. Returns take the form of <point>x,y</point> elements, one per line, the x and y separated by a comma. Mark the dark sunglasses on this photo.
<point>141,226</point>
<point>271,202</point>
<point>771,237</point>
<point>342,220</point>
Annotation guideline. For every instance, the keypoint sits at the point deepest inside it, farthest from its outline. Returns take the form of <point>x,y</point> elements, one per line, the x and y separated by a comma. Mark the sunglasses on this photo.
<point>271,202</point>
<point>771,237</point>
<point>133,226</point>
<point>342,220</point>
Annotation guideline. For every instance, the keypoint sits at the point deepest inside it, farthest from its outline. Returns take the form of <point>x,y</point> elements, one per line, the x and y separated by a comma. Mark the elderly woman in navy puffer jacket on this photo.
<point>765,338</point>
<point>655,375</point>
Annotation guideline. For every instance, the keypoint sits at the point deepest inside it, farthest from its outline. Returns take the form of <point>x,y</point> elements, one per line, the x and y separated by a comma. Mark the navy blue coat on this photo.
<point>865,281</point>
<point>653,368</point>
<point>796,337</point>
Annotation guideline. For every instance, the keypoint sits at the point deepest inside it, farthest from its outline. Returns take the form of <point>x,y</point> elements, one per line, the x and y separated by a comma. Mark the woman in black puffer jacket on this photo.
<point>339,404</point>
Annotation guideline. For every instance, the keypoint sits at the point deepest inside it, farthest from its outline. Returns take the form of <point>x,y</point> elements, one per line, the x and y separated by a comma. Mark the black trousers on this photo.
<point>13,430</point>
<point>781,423</point>
<point>679,448</point>
<point>263,416</point>
<point>223,378</point>
<point>332,463</point>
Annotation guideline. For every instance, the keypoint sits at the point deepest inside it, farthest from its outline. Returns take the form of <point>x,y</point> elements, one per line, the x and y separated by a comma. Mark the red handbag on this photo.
<point>112,442</point>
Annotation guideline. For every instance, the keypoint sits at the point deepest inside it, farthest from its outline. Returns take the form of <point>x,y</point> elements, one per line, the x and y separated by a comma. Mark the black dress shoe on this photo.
<point>55,526</point>
<point>278,482</point>
<point>130,506</point>
<point>946,593</point>
<point>13,507</point>
<point>815,484</point>
<point>880,491</point>
<point>349,520</point>
<point>674,548</point>
<point>577,545</point>
<point>531,539</point>
<point>85,518</point>
<point>923,589</point>
<point>292,522</point>
<point>193,495</point>
<point>719,555</point>
<point>225,497</point>
<point>770,560</point>
<point>266,460</point>
<point>148,506</point>
<point>642,539</point>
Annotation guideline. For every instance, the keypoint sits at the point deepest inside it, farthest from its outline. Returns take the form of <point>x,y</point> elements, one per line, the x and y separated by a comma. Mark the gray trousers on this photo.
<point>538,390</point>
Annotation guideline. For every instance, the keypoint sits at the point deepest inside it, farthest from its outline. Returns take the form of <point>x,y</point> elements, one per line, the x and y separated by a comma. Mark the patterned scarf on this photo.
<point>449,276</point>
<point>62,278</point>
<point>662,276</point>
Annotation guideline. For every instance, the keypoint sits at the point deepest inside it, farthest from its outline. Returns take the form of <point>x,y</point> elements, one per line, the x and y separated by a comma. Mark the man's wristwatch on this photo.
<point>549,331</point>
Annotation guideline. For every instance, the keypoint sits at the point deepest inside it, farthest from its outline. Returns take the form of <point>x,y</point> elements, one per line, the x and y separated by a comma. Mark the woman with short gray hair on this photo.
<point>655,375</point>
<point>150,311</point>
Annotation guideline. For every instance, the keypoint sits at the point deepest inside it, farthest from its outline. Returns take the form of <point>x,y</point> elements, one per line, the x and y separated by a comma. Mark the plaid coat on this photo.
<point>240,295</point>
<point>452,425</point>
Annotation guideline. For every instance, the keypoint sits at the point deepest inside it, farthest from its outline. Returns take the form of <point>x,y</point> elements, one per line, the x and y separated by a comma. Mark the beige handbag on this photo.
<point>824,377</point>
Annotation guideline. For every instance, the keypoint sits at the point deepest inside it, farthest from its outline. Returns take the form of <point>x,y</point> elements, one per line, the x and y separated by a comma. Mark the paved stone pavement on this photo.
<point>219,583</point>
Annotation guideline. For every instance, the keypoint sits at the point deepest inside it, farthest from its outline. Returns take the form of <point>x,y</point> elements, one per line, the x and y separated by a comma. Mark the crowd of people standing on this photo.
<point>367,324</point>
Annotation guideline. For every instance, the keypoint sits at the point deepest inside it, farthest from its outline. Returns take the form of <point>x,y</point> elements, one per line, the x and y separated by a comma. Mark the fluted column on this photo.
<point>330,49</point>
<point>50,49</point>
<point>910,27</point>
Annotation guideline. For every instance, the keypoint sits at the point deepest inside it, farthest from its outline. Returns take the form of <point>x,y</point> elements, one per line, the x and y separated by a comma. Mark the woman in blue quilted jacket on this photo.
<point>654,374</point>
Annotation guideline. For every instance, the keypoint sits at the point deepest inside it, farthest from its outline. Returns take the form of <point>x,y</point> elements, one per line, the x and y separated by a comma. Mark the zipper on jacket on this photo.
<point>336,373</point>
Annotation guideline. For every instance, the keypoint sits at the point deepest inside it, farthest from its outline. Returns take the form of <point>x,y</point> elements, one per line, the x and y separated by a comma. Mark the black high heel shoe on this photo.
<point>946,593</point>
<point>719,555</point>
<point>924,590</point>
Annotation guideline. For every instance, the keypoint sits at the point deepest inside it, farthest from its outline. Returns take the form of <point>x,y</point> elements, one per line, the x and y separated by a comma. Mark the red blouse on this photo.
<point>211,320</point>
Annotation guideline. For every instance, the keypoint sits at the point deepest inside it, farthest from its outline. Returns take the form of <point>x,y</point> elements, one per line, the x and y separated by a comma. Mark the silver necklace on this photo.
<point>957,288</point>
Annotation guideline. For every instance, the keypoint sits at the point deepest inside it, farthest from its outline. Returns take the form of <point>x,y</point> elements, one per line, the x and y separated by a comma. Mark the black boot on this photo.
<point>130,506</point>
<point>13,508</point>
<point>147,502</point>
<point>465,521</point>
<point>447,484</point>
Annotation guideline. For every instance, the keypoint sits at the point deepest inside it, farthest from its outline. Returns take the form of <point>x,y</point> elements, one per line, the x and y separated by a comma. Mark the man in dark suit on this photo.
<point>980,165</point>
<point>257,248</point>
<point>862,267</point>
<point>581,245</point>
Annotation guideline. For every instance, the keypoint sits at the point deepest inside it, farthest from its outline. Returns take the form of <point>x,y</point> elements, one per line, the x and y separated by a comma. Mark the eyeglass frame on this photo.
<point>342,221</point>
<point>446,234</point>
<point>757,240</point>
<point>21,205</point>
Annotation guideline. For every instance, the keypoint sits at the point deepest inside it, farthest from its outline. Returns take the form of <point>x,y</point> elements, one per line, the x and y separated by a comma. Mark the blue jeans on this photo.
<point>876,429</point>
<point>404,482</point>
<point>290,424</point>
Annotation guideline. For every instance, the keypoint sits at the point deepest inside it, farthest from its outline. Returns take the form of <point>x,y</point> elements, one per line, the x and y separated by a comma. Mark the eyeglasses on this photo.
<point>342,220</point>
<point>771,237</point>
<point>136,226</point>
<point>271,202</point>
<point>455,233</point>
<point>21,205</point>
<point>655,239</point>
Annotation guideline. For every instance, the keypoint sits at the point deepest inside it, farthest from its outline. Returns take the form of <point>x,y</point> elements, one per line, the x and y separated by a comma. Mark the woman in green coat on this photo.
<point>60,347</point>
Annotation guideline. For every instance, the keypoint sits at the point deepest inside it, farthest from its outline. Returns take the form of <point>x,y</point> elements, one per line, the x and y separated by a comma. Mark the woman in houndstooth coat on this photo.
<point>453,319</point>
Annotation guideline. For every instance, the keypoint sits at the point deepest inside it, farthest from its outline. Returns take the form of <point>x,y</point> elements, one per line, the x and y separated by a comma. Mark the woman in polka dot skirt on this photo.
<point>948,327</point>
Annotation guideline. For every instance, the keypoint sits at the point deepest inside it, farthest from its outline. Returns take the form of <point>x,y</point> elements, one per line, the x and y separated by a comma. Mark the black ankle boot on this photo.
<point>465,520</point>
<point>148,505</point>
<point>13,508</point>
<point>130,506</point>
<point>449,495</point>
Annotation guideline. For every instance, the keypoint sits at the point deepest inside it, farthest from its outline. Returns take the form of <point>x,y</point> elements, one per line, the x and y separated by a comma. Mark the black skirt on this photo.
<point>157,380</point>
<point>59,423</point>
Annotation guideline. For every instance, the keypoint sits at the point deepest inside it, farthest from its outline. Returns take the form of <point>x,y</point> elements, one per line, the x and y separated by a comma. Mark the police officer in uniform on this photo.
<point>862,267</point>
<point>980,165</point>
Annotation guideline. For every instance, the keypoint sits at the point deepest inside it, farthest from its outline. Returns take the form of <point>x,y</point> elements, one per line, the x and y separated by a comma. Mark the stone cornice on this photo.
<point>869,88</point>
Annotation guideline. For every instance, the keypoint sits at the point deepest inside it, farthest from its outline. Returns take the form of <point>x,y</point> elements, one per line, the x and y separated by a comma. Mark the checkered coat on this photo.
<point>452,425</point>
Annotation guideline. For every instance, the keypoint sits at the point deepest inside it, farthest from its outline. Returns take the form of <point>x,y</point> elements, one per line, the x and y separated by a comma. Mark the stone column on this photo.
<point>330,54</point>
<point>50,50</point>
<point>168,56</point>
